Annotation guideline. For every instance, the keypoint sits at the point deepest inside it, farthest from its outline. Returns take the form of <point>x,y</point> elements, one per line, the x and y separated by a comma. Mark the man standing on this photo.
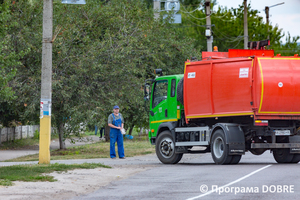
<point>116,123</point>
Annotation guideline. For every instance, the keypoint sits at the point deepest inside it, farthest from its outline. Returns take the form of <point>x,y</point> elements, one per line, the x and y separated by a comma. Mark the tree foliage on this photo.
<point>9,59</point>
<point>9,62</point>
<point>228,28</point>
<point>102,54</point>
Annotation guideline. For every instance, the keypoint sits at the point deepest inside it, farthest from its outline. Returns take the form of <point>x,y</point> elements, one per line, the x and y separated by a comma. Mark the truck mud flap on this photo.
<point>235,137</point>
<point>295,139</point>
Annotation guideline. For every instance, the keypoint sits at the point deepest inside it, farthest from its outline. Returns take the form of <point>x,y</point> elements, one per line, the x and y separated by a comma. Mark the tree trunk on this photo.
<point>62,144</point>
<point>131,129</point>
<point>106,132</point>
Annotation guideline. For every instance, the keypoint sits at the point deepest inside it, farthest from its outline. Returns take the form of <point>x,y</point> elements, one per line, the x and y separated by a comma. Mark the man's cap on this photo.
<point>116,107</point>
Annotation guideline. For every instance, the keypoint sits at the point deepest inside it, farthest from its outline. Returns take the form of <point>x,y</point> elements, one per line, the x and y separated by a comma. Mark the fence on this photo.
<point>16,133</point>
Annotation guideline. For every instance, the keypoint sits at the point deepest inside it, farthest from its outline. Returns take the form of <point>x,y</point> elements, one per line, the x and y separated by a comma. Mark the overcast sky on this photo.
<point>287,15</point>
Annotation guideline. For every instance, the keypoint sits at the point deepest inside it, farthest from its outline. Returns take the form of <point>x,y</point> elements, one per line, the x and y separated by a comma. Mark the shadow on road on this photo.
<point>248,164</point>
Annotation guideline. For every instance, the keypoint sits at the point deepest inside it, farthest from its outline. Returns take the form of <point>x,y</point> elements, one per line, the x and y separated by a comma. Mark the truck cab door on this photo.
<point>159,103</point>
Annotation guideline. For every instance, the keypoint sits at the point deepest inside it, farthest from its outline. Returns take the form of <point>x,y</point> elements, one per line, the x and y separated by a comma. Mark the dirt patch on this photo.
<point>69,184</point>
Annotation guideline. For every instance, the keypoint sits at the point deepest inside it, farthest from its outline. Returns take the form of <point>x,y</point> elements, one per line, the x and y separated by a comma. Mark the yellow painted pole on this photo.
<point>46,84</point>
<point>45,137</point>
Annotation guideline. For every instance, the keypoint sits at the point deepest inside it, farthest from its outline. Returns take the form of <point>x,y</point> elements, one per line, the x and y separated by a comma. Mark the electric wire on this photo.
<point>187,11</point>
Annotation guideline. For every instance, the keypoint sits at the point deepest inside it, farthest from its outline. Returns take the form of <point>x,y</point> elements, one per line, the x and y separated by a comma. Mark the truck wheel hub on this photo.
<point>218,147</point>
<point>167,147</point>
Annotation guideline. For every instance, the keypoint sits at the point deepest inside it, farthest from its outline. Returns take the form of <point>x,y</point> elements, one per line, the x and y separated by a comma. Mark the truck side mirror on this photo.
<point>147,92</point>
<point>158,71</point>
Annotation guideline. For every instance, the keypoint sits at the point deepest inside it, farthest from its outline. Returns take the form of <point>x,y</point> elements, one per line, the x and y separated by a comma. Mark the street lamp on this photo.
<point>46,80</point>
<point>267,15</point>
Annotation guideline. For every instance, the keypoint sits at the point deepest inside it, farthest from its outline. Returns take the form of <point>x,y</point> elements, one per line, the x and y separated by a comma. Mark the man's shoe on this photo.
<point>113,158</point>
<point>123,157</point>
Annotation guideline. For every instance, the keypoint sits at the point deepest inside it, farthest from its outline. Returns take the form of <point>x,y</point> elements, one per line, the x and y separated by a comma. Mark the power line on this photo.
<point>190,11</point>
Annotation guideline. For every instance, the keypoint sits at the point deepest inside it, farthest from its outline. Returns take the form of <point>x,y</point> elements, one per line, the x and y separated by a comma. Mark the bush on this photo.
<point>36,134</point>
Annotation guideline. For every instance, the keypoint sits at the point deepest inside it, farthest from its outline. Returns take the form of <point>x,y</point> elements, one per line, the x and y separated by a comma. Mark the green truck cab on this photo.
<point>165,109</point>
<point>164,106</point>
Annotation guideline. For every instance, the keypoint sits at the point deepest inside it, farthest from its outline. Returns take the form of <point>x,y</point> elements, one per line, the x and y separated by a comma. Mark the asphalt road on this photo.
<point>197,177</point>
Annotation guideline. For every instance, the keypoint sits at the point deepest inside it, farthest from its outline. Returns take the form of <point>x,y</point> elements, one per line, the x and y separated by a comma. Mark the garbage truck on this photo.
<point>226,104</point>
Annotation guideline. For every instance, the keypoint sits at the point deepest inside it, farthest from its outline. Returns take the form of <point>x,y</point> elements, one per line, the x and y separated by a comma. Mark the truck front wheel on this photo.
<point>165,149</point>
<point>219,148</point>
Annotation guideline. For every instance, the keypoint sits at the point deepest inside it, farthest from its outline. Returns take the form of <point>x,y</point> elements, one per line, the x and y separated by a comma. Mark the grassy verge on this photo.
<point>28,143</point>
<point>22,144</point>
<point>140,145</point>
<point>36,173</point>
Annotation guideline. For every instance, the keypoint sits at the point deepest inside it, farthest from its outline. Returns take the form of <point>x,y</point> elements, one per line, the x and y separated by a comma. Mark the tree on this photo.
<point>228,29</point>
<point>9,61</point>
<point>290,47</point>
<point>102,54</point>
<point>8,58</point>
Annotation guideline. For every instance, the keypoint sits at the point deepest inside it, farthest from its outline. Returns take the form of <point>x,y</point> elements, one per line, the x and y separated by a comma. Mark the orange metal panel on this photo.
<point>278,86</point>
<point>208,55</point>
<point>197,89</point>
<point>218,88</point>
<point>249,52</point>
<point>268,87</point>
<point>231,86</point>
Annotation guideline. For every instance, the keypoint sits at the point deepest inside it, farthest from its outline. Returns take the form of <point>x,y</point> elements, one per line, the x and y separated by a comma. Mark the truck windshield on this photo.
<point>160,92</point>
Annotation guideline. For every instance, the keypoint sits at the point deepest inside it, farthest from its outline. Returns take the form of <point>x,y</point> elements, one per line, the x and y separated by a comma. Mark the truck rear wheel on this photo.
<point>219,148</point>
<point>165,149</point>
<point>282,155</point>
<point>296,158</point>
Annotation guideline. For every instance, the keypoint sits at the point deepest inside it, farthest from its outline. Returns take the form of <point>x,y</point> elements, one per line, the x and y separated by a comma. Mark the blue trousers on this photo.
<point>96,129</point>
<point>101,130</point>
<point>116,136</point>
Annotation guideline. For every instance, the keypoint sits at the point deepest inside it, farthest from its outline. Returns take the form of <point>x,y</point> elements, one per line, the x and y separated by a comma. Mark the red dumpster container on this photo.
<point>265,87</point>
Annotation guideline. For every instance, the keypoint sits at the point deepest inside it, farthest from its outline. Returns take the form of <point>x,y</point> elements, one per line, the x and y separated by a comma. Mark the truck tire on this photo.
<point>282,155</point>
<point>257,152</point>
<point>235,159</point>
<point>219,148</point>
<point>296,158</point>
<point>165,149</point>
<point>180,91</point>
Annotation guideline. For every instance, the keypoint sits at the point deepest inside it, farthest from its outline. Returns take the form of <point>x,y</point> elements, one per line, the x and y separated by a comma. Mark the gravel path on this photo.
<point>80,181</point>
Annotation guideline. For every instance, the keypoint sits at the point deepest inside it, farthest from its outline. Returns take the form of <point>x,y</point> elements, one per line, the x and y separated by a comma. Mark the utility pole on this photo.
<point>267,8</point>
<point>46,78</point>
<point>156,6</point>
<point>245,25</point>
<point>208,26</point>
<point>267,18</point>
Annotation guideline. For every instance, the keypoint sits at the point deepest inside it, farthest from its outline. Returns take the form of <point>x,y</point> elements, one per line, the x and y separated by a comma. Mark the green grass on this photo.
<point>5,182</point>
<point>32,143</point>
<point>91,133</point>
<point>28,143</point>
<point>135,132</point>
<point>140,145</point>
<point>34,173</point>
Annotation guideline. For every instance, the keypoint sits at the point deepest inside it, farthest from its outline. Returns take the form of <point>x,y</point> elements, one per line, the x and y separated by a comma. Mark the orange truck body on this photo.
<point>242,83</point>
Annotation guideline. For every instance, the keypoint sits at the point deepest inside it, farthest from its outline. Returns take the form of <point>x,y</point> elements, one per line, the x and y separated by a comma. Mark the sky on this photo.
<point>286,16</point>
